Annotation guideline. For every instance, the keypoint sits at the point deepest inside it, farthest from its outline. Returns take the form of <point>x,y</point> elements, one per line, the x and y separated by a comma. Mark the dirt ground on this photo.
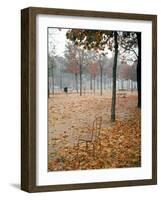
<point>69,116</point>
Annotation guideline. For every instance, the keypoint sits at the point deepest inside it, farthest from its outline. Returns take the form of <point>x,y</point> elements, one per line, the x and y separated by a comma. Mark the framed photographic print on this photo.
<point>88,99</point>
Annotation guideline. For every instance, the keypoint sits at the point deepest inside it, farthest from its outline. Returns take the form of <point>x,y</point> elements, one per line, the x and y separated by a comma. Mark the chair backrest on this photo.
<point>96,128</point>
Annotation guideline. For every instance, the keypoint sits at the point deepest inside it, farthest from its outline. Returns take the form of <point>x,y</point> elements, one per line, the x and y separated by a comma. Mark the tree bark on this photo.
<point>114,78</point>
<point>139,70</point>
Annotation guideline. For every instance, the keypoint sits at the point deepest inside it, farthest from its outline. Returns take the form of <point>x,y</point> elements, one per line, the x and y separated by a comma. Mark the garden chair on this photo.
<point>92,136</point>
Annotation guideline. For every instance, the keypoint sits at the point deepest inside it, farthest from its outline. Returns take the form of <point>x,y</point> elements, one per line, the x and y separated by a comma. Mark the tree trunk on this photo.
<point>122,84</point>
<point>80,67</point>
<point>90,82</point>
<point>76,82</point>
<point>52,80</point>
<point>94,87</point>
<point>104,81</point>
<point>61,81</point>
<point>114,78</point>
<point>97,83</point>
<point>111,83</point>
<point>139,69</point>
<point>131,85</point>
<point>119,84</point>
<point>101,79</point>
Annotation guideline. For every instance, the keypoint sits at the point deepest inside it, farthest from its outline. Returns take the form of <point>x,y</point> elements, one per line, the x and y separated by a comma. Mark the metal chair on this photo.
<point>92,136</point>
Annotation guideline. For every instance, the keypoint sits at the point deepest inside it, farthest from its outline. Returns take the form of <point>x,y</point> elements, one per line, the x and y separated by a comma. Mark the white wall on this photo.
<point>10,98</point>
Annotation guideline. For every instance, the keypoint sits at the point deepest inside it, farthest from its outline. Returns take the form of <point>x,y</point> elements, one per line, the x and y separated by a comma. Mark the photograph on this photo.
<point>94,99</point>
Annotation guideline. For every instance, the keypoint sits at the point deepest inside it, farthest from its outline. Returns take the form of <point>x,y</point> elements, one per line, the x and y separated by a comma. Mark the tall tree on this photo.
<point>113,105</point>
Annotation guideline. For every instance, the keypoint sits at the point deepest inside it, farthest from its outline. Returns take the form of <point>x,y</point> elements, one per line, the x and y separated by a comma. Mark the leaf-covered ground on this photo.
<point>68,119</point>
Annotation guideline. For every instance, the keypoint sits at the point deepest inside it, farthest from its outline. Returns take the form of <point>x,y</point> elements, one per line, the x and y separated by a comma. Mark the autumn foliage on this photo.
<point>120,141</point>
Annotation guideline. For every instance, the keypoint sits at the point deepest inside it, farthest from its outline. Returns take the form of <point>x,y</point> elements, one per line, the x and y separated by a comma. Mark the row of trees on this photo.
<point>96,72</point>
<point>97,66</point>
